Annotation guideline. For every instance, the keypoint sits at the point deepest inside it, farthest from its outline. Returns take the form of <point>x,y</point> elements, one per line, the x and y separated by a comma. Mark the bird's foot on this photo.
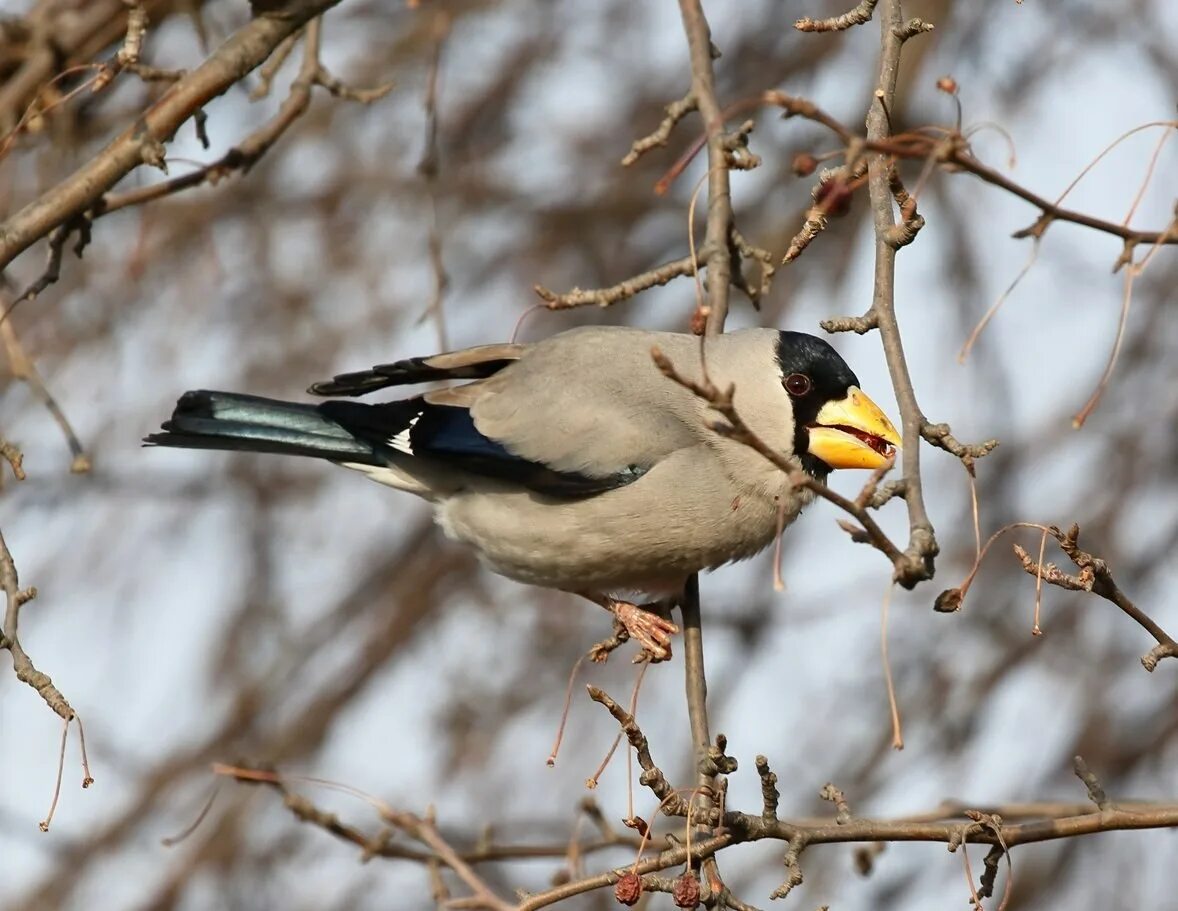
<point>640,623</point>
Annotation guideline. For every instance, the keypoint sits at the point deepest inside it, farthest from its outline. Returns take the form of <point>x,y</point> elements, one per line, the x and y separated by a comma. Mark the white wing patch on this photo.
<point>392,476</point>
<point>400,441</point>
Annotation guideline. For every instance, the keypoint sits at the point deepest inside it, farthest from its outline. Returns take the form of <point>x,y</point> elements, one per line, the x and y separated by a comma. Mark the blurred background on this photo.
<point>199,607</point>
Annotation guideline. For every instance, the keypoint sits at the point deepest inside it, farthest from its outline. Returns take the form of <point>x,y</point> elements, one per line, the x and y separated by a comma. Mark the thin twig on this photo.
<point>675,111</point>
<point>605,297</point>
<point>26,671</point>
<point>857,16</point>
<point>246,49</point>
<point>23,368</point>
<point>1096,577</point>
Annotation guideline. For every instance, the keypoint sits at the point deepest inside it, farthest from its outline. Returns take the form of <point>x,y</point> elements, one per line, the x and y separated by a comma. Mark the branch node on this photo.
<point>1095,791</point>
<point>835,796</point>
<point>797,844</point>
<point>913,27</point>
<point>770,796</point>
<point>860,325</point>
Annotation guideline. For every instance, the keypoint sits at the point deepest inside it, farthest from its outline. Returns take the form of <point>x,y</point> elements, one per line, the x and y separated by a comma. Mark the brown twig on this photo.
<point>1095,790</point>
<point>142,141</point>
<point>605,297</point>
<point>23,368</point>
<point>675,111</point>
<point>719,219</point>
<point>652,776</point>
<point>58,238</point>
<point>835,796</point>
<point>1096,577</point>
<point>922,548</point>
<point>857,16</point>
<point>244,155</point>
<point>26,671</point>
<point>15,459</point>
<point>770,795</point>
<point>420,829</point>
<point>950,149</point>
<point>428,167</point>
<point>949,824</point>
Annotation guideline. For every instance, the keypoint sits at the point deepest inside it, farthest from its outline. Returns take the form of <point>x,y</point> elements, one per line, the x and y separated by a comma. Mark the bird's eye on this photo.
<point>797,384</point>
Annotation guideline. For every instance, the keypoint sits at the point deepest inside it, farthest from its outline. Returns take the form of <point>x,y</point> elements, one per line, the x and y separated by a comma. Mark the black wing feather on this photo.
<point>445,433</point>
<point>404,373</point>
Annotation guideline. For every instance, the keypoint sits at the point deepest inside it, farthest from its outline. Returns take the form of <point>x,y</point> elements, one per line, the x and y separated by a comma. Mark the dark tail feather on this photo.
<point>230,421</point>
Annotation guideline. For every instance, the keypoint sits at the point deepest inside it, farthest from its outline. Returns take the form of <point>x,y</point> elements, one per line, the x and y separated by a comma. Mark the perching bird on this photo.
<point>573,463</point>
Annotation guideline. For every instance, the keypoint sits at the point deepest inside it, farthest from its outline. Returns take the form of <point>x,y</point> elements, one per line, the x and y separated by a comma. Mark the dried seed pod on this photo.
<point>804,164</point>
<point>628,889</point>
<point>686,893</point>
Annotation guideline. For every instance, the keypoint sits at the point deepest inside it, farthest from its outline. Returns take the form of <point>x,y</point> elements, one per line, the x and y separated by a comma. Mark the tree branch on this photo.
<point>26,672</point>
<point>922,544</point>
<point>719,221</point>
<point>142,142</point>
<point>1097,578</point>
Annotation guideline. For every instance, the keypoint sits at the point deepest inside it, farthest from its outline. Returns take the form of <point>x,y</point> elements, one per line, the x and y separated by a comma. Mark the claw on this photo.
<point>646,628</point>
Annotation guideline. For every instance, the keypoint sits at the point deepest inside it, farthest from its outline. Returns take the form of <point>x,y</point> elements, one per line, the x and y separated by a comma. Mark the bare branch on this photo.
<point>1095,577</point>
<point>23,368</point>
<point>652,776</point>
<point>246,153</point>
<point>25,670</point>
<point>242,52</point>
<point>917,564</point>
<point>676,111</point>
<point>604,297</point>
<point>1092,783</point>
<point>858,16</point>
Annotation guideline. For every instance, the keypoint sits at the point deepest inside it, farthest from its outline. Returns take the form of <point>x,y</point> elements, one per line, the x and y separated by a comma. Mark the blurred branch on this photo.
<point>22,368</point>
<point>142,142</point>
<point>428,167</point>
<point>419,829</point>
<point>59,35</point>
<point>246,153</point>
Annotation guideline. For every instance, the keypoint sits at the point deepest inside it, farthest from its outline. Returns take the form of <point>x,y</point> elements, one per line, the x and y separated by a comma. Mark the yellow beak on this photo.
<point>853,433</point>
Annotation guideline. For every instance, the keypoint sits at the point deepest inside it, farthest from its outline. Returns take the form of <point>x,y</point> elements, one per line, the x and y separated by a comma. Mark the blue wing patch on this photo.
<point>446,433</point>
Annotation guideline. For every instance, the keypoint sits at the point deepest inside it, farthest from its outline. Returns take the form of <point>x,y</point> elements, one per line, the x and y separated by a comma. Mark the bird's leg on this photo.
<point>644,623</point>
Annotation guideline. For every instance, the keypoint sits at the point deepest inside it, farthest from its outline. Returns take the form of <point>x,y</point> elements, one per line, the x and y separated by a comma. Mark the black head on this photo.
<point>813,374</point>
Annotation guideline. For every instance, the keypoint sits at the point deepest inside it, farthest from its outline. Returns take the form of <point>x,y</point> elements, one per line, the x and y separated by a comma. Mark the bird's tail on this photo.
<point>228,420</point>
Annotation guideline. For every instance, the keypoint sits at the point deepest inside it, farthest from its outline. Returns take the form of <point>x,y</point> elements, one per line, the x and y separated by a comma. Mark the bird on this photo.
<point>573,462</point>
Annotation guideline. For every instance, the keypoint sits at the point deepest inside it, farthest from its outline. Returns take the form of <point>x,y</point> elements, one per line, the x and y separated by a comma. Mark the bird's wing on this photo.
<point>418,431</point>
<point>575,415</point>
<point>591,402</point>
<point>468,364</point>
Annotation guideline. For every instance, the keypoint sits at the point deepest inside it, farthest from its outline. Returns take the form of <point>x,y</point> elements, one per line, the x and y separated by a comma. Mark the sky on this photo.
<point>134,650</point>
